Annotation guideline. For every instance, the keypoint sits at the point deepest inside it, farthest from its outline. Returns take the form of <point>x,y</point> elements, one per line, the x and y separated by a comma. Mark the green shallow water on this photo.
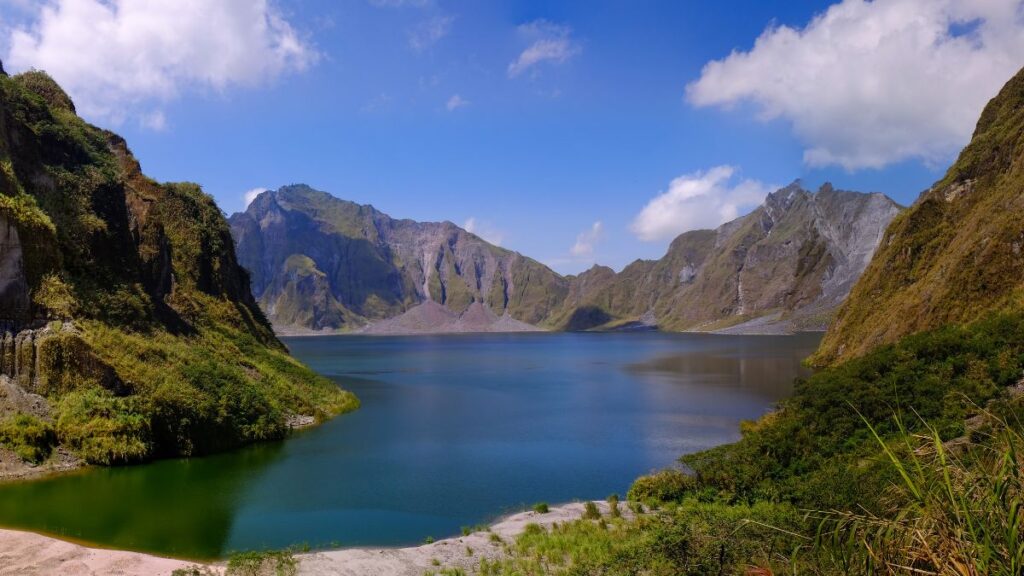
<point>453,431</point>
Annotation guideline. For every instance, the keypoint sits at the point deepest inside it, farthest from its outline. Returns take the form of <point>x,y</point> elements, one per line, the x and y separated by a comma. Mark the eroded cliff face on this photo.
<point>14,296</point>
<point>787,264</point>
<point>320,263</point>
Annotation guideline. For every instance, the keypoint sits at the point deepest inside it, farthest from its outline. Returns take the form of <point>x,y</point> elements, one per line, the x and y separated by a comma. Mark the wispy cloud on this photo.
<point>587,240</point>
<point>377,103</point>
<point>427,33</point>
<point>548,43</point>
<point>483,229</point>
<point>456,102</point>
<point>120,59</point>
<point>251,195</point>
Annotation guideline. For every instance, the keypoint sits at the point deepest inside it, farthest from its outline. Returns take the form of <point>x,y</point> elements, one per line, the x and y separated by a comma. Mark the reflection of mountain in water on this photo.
<point>756,368</point>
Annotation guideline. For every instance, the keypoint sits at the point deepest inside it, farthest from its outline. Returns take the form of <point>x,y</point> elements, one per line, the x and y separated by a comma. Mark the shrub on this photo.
<point>56,297</point>
<point>263,563</point>
<point>662,486</point>
<point>541,508</point>
<point>101,428</point>
<point>590,511</point>
<point>31,438</point>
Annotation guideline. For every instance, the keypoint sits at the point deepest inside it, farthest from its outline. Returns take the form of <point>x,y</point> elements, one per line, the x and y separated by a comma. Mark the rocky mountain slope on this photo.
<point>783,267</point>
<point>323,264</point>
<point>128,328</point>
<point>319,263</point>
<point>954,255</point>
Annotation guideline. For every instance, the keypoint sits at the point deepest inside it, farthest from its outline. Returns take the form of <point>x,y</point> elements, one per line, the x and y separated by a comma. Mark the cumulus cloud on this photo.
<point>251,195</point>
<point>484,230</point>
<point>456,102</point>
<point>549,43</point>
<point>427,33</point>
<point>866,84</point>
<point>123,58</point>
<point>587,240</point>
<point>700,200</point>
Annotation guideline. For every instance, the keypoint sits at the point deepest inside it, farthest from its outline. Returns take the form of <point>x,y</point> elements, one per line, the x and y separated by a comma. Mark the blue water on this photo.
<point>453,431</point>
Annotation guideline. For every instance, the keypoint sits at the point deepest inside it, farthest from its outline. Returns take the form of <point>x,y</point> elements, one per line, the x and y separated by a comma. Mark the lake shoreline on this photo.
<point>24,552</point>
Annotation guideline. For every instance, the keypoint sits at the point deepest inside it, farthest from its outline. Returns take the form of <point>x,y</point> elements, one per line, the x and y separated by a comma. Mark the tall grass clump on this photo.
<point>956,509</point>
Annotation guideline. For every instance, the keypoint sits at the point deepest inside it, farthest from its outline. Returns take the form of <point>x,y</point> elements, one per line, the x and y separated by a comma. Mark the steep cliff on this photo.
<point>122,303</point>
<point>784,266</point>
<point>954,255</point>
<point>320,263</point>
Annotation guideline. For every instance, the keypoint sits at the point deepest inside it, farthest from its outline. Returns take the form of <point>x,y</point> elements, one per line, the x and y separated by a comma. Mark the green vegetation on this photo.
<point>29,437</point>
<point>908,460</point>
<point>263,563</point>
<point>955,254</point>
<point>590,511</point>
<point>156,346</point>
<point>541,508</point>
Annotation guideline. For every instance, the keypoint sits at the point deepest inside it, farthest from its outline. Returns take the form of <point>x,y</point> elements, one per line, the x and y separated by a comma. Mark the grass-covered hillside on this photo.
<point>131,331</point>
<point>954,254</point>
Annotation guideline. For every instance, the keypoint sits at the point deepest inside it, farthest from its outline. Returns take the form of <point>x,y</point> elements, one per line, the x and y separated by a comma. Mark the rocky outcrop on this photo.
<point>320,263</point>
<point>122,303</point>
<point>14,297</point>
<point>956,254</point>
<point>323,264</point>
<point>783,267</point>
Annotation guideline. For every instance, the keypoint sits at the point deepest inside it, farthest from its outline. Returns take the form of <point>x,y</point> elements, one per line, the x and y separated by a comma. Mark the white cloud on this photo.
<point>121,58</point>
<point>456,102</point>
<point>703,199</point>
<point>866,84</point>
<point>587,240</point>
<point>155,121</point>
<point>484,230</point>
<point>548,43</point>
<point>427,33</point>
<point>251,195</point>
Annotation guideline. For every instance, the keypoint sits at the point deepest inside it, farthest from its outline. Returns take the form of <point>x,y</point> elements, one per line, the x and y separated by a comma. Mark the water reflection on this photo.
<point>453,431</point>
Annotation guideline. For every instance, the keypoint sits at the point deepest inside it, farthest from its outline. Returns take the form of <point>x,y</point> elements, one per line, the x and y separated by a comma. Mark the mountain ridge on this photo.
<point>292,239</point>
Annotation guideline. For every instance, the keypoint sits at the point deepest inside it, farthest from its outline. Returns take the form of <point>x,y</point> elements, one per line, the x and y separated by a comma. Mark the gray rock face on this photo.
<point>320,263</point>
<point>783,267</point>
<point>323,264</point>
<point>14,295</point>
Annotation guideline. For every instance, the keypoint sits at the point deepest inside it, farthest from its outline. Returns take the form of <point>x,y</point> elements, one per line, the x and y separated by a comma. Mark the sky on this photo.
<point>575,132</point>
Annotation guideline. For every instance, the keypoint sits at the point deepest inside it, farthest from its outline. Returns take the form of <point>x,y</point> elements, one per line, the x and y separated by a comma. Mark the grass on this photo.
<point>29,437</point>
<point>263,563</point>
<point>590,511</point>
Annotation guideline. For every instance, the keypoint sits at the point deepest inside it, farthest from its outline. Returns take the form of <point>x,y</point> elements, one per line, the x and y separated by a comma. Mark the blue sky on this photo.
<point>550,124</point>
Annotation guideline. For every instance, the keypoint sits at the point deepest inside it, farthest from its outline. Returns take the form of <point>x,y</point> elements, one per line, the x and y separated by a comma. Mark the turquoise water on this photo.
<point>453,431</point>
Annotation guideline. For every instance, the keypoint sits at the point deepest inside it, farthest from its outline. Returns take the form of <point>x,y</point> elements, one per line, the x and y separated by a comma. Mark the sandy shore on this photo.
<point>28,554</point>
